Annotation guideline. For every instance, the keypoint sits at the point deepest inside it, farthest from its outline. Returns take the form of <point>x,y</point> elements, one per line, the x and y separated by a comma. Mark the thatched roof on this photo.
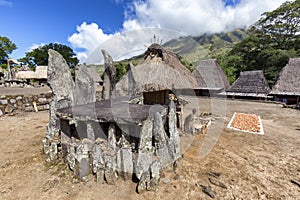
<point>210,76</point>
<point>250,83</point>
<point>288,82</point>
<point>39,73</point>
<point>159,70</point>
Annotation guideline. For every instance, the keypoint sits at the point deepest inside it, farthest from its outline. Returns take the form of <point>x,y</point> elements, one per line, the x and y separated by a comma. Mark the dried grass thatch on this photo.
<point>210,76</point>
<point>159,70</point>
<point>251,84</point>
<point>288,82</point>
<point>39,73</point>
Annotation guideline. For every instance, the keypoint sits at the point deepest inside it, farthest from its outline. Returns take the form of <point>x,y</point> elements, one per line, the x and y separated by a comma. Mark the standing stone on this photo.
<point>161,140</point>
<point>90,131</point>
<point>110,167</point>
<point>98,159</point>
<point>109,76</point>
<point>85,88</point>
<point>126,163</point>
<point>62,86</point>
<point>174,134</point>
<point>145,150</point>
<point>71,155</point>
<point>82,164</point>
<point>155,176</point>
<point>131,80</point>
<point>144,182</point>
<point>112,137</point>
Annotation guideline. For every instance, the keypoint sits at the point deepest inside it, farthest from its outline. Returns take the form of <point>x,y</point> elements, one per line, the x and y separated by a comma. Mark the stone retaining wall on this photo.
<point>20,103</point>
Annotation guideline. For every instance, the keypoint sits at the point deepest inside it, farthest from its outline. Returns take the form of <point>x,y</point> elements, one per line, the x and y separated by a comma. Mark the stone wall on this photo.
<point>20,103</point>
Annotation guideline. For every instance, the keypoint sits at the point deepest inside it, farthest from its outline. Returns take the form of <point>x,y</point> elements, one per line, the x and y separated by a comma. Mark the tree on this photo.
<point>39,56</point>
<point>6,48</point>
<point>272,40</point>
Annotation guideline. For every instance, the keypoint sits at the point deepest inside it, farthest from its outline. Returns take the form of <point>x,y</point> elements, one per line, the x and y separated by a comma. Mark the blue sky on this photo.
<point>85,24</point>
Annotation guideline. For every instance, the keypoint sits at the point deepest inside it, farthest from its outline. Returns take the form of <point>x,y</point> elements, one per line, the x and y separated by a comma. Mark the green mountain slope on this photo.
<point>195,48</point>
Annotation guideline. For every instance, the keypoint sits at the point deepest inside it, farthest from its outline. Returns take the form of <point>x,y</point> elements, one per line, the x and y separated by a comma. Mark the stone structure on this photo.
<point>24,103</point>
<point>110,138</point>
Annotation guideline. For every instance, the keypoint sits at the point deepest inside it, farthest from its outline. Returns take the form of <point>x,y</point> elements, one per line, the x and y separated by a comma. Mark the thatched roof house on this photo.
<point>39,73</point>
<point>210,77</point>
<point>250,84</point>
<point>287,86</point>
<point>160,70</point>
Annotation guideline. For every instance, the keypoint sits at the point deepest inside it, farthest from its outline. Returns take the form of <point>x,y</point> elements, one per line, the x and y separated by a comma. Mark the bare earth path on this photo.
<point>249,166</point>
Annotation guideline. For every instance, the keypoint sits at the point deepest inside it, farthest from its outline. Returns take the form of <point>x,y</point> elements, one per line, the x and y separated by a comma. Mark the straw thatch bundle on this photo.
<point>288,82</point>
<point>159,70</point>
<point>210,76</point>
<point>250,83</point>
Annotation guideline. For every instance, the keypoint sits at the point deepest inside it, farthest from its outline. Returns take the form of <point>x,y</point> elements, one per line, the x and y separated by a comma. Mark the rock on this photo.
<point>83,168</point>
<point>109,76</point>
<point>207,190</point>
<point>126,163</point>
<point>112,137</point>
<point>166,181</point>
<point>3,102</point>
<point>144,182</point>
<point>85,87</point>
<point>97,155</point>
<point>19,98</point>
<point>131,81</point>
<point>177,177</point>
<point>29,109</point>
<point>2,97</point>
<point>9,108</point>
<point>61,83</point>
<point>82,165</point>
<point>110,167</point>
<point>1,113</point>
<point>144,156</point>
<point>100,177</point>
<point>12,101</point>
<point>90,131</point>
<point>216,182</point>
<point>161,140</point>
<point>214,174</point>
<point>42,100</point>
<point>174,145</point>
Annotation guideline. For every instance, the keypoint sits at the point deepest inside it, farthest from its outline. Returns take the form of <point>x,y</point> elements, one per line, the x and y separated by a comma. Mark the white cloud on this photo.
<point>168,20</point>
<point>196,17</point>
<point>35,46</point>
<point>5,3</point>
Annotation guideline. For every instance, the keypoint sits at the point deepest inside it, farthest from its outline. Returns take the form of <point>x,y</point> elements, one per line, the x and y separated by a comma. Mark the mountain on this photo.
<point>190,49</point>
<point>195,48</point>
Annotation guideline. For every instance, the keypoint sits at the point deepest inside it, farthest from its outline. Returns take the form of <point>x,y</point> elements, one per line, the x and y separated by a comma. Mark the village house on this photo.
<point>210,78</point>
<point>287,86</point>
<point>249,85</point>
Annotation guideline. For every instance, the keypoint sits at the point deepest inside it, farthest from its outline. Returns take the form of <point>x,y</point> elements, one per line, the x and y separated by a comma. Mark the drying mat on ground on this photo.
<point>249,123</point>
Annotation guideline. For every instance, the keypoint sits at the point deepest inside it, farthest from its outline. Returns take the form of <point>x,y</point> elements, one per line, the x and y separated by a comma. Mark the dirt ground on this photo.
<point>242,165</point>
